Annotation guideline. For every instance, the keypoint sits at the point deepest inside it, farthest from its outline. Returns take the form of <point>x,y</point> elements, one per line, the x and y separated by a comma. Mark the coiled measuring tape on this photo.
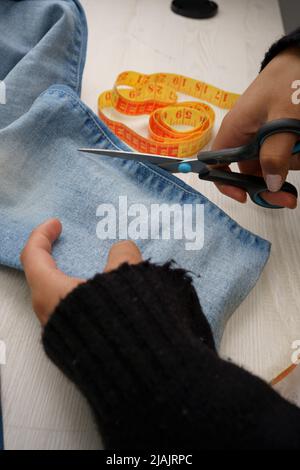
<point>156,95</point>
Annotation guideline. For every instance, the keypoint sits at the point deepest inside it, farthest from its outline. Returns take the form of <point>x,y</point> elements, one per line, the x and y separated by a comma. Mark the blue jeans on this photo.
<point>42,174</point>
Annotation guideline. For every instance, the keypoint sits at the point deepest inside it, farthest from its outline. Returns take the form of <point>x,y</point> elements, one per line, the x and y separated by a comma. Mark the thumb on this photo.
<point>47,283</point>
<point>275,156</point>
<point>36,256</point>
<point>123,252</point>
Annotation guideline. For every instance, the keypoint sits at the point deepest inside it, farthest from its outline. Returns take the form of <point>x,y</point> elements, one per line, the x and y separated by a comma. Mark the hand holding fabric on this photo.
<point>47,283</point>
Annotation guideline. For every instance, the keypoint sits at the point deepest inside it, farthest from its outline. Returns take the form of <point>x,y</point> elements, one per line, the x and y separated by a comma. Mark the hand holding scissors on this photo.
<point>253,185</point>
<point>274,94</point>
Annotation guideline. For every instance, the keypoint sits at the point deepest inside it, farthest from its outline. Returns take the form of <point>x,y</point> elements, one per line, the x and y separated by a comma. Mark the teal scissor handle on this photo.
<point>296,148</point>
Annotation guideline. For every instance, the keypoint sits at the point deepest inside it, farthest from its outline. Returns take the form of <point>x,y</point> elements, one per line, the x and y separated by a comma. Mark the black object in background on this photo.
<point>194,8</point>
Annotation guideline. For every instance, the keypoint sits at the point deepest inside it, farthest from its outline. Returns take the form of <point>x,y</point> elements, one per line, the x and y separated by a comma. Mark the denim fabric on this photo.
<point>42,42</point>
<point>42,175</point>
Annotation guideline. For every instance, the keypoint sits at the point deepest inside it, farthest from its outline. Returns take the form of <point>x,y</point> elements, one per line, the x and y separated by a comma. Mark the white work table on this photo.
<point>42,410</point>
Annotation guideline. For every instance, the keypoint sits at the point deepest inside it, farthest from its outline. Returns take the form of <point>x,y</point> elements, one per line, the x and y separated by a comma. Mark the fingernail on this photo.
<point>274,182</point>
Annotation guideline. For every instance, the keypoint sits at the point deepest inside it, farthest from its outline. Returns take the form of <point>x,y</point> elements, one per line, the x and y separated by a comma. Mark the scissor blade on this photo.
<point>139,157</point>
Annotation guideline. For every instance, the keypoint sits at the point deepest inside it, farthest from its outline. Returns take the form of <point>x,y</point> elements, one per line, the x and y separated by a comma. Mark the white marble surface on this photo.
<point>42,410</point>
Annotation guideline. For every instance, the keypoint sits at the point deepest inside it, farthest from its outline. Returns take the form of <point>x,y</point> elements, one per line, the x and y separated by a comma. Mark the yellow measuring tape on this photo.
<point>136,94</point>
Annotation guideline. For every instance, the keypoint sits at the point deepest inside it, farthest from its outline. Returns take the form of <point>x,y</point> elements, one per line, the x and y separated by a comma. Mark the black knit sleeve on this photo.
<point>290,40</point>
<point>135,341</point>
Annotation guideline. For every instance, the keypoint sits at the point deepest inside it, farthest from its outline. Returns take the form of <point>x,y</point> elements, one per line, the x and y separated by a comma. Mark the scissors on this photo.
<point>253,185</point>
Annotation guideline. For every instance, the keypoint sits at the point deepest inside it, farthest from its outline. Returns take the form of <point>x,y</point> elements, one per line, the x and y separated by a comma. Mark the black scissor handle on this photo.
<point>254,185</point>
<point>277,127</point>
<point>251,150</point>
